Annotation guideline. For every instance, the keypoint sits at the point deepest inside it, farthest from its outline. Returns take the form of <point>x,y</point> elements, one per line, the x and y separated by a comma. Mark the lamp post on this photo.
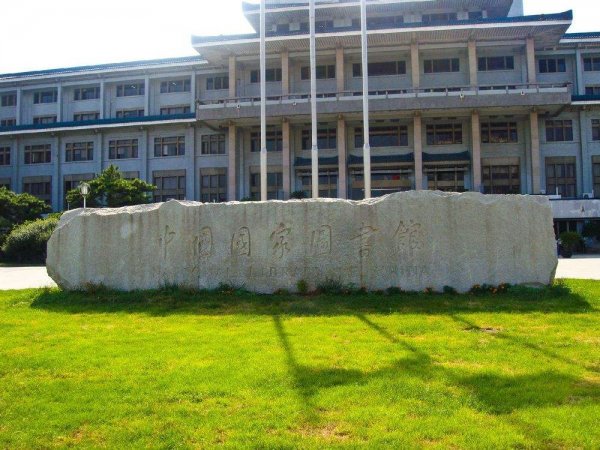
<point>84,189</point>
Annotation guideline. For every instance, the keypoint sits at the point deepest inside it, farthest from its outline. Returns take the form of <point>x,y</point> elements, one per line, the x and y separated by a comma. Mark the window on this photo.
<point>491,63</point>
<point>561,177</point>
<point>86,93</point>
<point>169,146</point>
<point>124,113</point>
<point>475,15</point>
<point>5,183</point>
<point>82,117</point>
<point>123,149</point>
<point>592,90</point>
<point>591,64</point>
<point>283,28</point>
<point>130,89</point>
<point>501,177</point>
<point>172,110</point>
<point>274,141</point>
<point>4,156</point>
<point>8,100</point>
<point>442,65</point>
<point>44,119</point>
<point>170,185</point>
<point>73,181</point>
<point>499,133</point>
<point>8,122</point>
<point>596,175</point>
<point>323,72</point>
<point>596,130</point>
<point>326,139</point>
<point>446,178</point>
<point>383,181</point>
<point>38,154</point>
<point>40,187</point>
<point>379,69</point>
<point>169,87</point>
<point>49,96</point>
<point>328,179</point>
<point>559,130</point>
<point>274,186</point>
<point>383,22</point>
<point>213,144</point>
<point>552,65</point>
<point>271,75</point>
<point>213,185</point>
<point>79,151</point>
<point>444,134</point>
<point>439,18</point>
<point>383,137</point>
<point>217,83</point>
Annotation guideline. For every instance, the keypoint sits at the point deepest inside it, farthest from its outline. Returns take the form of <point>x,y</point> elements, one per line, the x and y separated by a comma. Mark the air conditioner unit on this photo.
<point>588,195</point>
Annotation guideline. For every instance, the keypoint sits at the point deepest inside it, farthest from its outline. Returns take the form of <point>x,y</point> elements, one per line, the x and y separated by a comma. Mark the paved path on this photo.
<point>584,267</point>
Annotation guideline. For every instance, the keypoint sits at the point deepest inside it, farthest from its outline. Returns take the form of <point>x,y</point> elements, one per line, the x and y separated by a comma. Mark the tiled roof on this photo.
<point>107,67</point>
<point>567,15</point>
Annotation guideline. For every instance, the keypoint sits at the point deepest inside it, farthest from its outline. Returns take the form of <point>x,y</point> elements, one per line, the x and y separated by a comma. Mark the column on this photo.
<point>365,96</point>
<point>531,72</point>
<point>418,144</point>
<point>18,107</point>
<point>59,105</point>
<point>232,163</point>
<point>190,157</point>
<point>263,102</point>
<point>232,77</point>
<point>286,159</point>
<point>144,156</point>
<point>193,92</point>
<point>586,183</point>
<point>415,65</point>
<point>340,74</point>
<point>476,143</point>
<point>535,152</point>
<point>285,72</point>
<point>579,74</point>
<point>473,66</point>
<point>56,181</point>
<point>314,153</point>
<point>16,162</point>
<point>102,100</point>
<point>342,159</point>
<point>147,96</point>
<point>99,153</point>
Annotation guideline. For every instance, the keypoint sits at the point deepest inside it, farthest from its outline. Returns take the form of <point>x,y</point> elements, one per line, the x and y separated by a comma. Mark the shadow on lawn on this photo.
<point>172,302</point>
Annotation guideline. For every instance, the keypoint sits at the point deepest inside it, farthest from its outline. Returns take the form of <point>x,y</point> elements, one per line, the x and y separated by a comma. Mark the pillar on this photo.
<point>476,145</point>
<point>102,100</point>
<point>342,159</point>
<point>99,153</point>
<point>232,77</point>
<point>531,72</point>
<point>232,163</point>
<point>56,178</point>
<point>18,107</point>
<point>535,152</point>
<point>473,66</point>
<point>415,65</point>
<point>193,92</point>
<point>286,159</point>
<point>16,163</point>
<point>59,104</point>
<point>418,144</point>
<point>144,155</point>
<point>340,74</point>
<point>147,96</point>
<point>190,158</point>
<point>285,72</point>
<point>579,69</point>
<point>586,183</point>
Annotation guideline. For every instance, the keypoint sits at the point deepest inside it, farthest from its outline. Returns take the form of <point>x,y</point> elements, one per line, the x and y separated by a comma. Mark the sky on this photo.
<point>44,34</point>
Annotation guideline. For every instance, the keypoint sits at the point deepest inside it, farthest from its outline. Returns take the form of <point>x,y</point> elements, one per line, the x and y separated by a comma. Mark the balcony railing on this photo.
<point>457,91</point>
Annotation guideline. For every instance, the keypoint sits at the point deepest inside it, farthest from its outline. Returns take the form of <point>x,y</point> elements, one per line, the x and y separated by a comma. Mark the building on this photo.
<point>464,95</point>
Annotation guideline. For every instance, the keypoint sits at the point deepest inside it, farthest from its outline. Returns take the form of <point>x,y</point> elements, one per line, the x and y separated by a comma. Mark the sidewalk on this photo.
<point>581,266</point>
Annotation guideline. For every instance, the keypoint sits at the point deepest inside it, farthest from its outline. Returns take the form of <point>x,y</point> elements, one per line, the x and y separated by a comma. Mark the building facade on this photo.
<point>463,96</point>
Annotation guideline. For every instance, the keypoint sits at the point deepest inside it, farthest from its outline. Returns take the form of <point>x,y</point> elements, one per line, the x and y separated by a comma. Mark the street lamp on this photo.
<point>84,189</point>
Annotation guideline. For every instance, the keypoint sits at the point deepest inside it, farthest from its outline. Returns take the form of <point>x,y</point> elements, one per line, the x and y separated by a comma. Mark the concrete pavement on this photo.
<point>581,266</point>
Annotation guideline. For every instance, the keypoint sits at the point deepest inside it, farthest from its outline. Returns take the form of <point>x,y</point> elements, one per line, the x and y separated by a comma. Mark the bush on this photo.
<point>298,195</point>
<point>27,242</point>
<point>570,240</point>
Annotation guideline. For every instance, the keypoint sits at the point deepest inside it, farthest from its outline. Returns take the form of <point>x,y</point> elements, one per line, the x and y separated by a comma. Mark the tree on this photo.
<point>18,208</point>
<point>112,190</point>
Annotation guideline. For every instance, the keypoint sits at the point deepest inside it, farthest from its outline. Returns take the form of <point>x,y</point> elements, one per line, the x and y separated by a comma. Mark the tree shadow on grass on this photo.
<point>216,303</point>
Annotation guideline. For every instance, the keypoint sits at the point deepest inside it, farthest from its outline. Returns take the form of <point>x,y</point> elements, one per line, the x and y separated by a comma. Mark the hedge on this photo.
<point>27,242</point>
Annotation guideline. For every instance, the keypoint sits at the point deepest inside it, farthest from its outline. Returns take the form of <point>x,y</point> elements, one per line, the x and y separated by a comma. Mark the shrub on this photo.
<point>449,290</point>
<point>302,287</point>
<point>331,286</point>
<point>298,195</point>
<point>570,240</point>
<point>27,242</point>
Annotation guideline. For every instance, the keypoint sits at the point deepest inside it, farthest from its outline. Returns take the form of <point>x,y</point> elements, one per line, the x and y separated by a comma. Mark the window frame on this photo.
<point>37,154</point>
<point>130,146</point>
<point>553,126</point>
<point>169,141</point>
<point>84,149</point>
<point>433,132</point>
<point>429,65</point>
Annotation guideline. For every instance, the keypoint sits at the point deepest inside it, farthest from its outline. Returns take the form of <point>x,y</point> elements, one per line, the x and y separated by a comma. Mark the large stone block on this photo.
<point>412,240</point>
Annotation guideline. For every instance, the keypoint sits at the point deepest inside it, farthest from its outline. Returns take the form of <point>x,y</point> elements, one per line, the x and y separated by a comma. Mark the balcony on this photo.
<point>461,97</point>
<point>575,209</point>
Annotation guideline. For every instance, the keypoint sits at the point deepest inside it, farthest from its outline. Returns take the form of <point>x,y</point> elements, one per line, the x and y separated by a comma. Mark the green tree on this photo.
<point>112,190</point>
<point>18,208</point>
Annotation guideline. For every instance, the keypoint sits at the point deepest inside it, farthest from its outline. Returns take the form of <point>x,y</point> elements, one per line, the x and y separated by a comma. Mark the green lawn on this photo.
<point>176,369</point>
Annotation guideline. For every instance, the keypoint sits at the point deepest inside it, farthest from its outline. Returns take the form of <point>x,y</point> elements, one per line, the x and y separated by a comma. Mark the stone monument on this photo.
<point>412,240</point>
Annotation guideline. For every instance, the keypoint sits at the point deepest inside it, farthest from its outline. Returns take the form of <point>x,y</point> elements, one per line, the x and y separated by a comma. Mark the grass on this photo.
<point>182,369</point>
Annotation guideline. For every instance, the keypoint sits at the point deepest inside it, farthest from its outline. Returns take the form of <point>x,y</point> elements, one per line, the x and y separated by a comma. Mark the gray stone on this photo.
<point>412,240</point>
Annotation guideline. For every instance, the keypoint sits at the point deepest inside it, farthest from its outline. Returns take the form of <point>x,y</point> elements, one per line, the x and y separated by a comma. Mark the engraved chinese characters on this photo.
<point>241,243</point>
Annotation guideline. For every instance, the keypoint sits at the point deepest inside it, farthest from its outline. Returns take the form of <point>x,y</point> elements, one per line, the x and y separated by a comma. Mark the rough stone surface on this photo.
<point>412,240</point>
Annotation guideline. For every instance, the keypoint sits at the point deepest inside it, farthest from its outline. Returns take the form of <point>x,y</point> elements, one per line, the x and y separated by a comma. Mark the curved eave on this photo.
<point>545,33</point>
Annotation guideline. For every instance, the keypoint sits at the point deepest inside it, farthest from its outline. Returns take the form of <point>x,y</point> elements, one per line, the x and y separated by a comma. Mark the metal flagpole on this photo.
<point>263,103</point>
<point>313,101</point>
<point>365,77</point>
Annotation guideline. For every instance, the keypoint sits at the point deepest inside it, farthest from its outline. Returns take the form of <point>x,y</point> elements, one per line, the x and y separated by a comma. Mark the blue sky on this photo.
<point>41,34</point>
